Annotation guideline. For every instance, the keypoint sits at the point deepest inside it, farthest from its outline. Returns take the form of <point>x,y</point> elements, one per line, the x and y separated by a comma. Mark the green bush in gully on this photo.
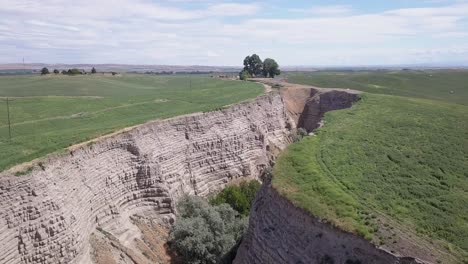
<point>204,233</point>
<point>240,198</point>
<point>210,232</point>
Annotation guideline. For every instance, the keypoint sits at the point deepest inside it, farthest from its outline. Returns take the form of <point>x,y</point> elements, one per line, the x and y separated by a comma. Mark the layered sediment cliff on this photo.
<point>48,215</point>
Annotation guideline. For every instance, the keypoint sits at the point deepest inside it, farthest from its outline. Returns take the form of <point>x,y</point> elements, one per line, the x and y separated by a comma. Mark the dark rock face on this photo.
<point>322,102</point>
<point>279,232</point>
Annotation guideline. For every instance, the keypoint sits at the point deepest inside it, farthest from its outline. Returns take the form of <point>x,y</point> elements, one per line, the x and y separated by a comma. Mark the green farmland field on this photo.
<point>52,112</point>
<point>446,85</point>
<point>387,157</point>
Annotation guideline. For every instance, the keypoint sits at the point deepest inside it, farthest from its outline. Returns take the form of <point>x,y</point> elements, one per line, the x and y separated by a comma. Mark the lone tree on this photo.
<point>56,71</point>
<point>270,68</point>
<point>253,65</point>
<point>44,71</point>
<point>93,70</point>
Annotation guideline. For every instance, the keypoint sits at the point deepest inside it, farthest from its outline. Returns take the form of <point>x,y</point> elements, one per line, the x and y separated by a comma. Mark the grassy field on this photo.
<point>49,113</point>
<point>446,85</point>
<point>399,157</point>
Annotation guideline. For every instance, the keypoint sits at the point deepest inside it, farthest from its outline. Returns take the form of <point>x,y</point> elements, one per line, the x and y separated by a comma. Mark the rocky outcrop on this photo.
<point>280,232</point>
<point>318,103</point>
<point>48,215</point>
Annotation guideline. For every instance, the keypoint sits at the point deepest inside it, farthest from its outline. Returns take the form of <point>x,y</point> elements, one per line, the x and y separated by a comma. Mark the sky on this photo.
<point>207,32</point>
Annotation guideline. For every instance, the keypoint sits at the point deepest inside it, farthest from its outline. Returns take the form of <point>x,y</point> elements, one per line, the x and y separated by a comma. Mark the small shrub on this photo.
<point>240,198</point>
<point>299,134</point>
<point>24,172</point>
<point>244,75</point>
<point>205,233</point>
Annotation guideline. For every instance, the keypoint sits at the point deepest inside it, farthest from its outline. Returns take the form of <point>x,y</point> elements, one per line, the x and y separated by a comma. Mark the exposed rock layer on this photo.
<point>279,232</point>
<point>319,103</point>
<point>48,215</point>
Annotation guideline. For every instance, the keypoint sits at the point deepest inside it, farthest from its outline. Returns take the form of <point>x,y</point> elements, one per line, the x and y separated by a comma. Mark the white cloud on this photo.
<point>329,10</point>
<point>125,31</point>
<point>234,9</point>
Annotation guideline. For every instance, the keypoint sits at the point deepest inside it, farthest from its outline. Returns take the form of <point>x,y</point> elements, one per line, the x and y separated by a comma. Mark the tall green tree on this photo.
<point>44,71</point>
<point>93,70</point>
<point>253,65</point>
<point>270,68</point>
<point>56,71</point>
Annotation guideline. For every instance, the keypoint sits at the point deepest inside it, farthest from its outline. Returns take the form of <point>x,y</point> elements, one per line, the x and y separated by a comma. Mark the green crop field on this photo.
<point>388,156</point>
<point>447,85</point>
<point>49,113</point>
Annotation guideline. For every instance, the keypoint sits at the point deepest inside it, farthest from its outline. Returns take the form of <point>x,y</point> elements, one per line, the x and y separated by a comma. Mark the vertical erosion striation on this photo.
<point>48,215</point>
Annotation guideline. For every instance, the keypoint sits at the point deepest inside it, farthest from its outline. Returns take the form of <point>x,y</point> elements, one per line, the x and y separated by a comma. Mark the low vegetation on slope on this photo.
<point>209,231</point>
<point>49,113</point>
<point>204,233</point>
<point>387,157</point>
<point>239,197</point>
<point>447,85</point>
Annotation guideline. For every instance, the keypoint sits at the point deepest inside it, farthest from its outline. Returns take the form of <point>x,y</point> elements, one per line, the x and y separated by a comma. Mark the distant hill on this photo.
<point>36,67</point>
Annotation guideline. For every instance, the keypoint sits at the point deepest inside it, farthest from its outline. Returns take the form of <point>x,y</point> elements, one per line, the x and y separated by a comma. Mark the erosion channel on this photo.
<point>67,204</point>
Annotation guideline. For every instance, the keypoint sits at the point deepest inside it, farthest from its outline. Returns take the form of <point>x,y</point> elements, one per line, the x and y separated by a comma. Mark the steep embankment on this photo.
<point>280,232</point>
<point>49,214</point>
<point>390,169</point>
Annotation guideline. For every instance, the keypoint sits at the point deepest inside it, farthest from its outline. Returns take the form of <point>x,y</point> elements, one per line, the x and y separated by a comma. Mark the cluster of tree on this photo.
<point>239,197</point>
<point>255,67</point>
<point>204,233</point>
<point>73,71</point>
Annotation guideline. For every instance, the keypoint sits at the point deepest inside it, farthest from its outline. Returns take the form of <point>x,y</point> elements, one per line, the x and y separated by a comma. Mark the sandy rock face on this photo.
<point>48,215</point>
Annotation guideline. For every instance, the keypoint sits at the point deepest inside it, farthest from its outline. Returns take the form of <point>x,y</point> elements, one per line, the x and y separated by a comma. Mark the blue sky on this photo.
<point>207,32</point>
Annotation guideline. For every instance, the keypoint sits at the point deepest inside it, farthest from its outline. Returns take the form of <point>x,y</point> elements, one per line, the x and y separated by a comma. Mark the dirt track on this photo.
<point>284,84</point>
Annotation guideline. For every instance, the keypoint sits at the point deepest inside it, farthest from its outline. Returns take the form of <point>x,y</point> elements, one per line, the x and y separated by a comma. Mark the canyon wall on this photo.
<point>318,103</point>
<point>48,215</point>
<point>280,232</point>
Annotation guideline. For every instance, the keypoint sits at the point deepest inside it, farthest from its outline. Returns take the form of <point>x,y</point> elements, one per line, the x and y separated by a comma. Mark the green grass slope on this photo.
<point>49,113</point>
<point>402,158</point>
<point>447,85</point>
